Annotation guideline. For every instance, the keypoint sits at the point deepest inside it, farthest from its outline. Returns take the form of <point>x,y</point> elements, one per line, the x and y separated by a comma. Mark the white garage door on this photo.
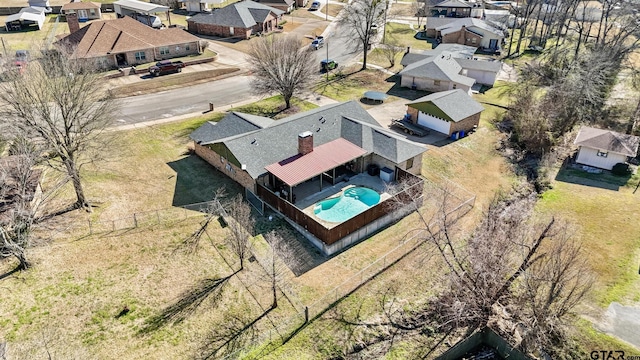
<point>431,122</point>
<point>482,77</point>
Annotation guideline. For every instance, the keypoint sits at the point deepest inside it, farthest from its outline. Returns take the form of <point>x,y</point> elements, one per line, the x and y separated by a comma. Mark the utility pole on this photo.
<point>326,12</point>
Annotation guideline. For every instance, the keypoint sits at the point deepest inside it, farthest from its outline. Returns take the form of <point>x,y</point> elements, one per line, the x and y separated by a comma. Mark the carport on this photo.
<point>27,16</point>
<point>130,7</point>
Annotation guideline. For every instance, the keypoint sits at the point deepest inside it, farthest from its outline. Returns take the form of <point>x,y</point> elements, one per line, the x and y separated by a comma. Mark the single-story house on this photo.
<point>86,10</point>
<point>241,19</point>
<point>200,5</point>
<point>126,42</point>
<point>604,148</point>
<point>465,31</point>
<point>446,112</point>
<point>134,7</point>
<point>27,17</point>
<point>457,9</point>
<point>499,18</point>
<point>292,161</point>
<point>436,73</point>
<point>483,72</point>
<point>285,5</point>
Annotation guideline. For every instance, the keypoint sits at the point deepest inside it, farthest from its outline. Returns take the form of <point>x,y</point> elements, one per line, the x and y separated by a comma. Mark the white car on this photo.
<point>317,43</point>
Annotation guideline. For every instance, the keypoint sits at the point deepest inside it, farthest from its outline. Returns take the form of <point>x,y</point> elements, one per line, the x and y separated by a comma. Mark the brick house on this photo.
<point>85,10</point>
<point>292,163</point>
<point>446,112</point>
<point>241,19</point>
<point>436,73</point>
<point>457,9</point>
<point>465,31</point>
<point>126,42</point>
<point>285,5</point>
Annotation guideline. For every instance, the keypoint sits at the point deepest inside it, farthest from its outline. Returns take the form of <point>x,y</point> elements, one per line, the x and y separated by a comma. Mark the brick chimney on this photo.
<point>305,143</point>
<point>73,23</point>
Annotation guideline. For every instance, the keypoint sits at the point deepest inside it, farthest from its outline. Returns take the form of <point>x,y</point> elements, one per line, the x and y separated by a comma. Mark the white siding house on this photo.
<point>604,148</point>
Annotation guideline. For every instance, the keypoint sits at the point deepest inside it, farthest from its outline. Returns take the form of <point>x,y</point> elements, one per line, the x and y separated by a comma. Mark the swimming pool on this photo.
<point>352,202</point>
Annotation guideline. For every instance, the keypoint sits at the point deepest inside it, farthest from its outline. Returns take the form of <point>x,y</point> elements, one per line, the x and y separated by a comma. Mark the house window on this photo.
<point>187,47</point>
<point>177,48</point>
<point>473,40</point>
<point>409,163</point>
<point>92,12</point>
<point>602,153</point>
<point>436,82</point>
<point>164,50</point>
<point>455,86</point>
<point>141,56</point>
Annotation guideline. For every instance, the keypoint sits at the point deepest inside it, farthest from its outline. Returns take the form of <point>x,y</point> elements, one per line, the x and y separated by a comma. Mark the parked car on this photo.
<point>327,65</point>
<point>317,43</point>
<point>315,5</point>
<point>152,20</point>
<point>165,67</point>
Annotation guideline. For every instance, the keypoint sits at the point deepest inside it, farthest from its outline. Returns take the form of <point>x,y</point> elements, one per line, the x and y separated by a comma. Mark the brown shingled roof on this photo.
<point>79,5</point>
<point>121,35</point>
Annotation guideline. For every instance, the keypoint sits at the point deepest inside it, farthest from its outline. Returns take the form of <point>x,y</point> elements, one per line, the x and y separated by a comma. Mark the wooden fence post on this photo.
<point>306,314</point>
<point>135,220</point>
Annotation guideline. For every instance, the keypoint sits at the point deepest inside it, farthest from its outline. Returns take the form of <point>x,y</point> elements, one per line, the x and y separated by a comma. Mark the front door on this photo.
<point>82,14</point>
<point>231,30</point>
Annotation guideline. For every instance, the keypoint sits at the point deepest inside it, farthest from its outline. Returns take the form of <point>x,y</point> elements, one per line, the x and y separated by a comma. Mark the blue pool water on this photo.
<point>352,202</point>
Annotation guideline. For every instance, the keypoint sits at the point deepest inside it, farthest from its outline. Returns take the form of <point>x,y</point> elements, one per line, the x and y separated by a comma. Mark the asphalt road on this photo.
<point>182,101</point>
<point>228,91</point>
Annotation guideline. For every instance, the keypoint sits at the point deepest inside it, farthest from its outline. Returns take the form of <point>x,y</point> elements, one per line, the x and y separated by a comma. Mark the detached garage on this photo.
<point>27,17</point>
<point>446,112</point>
<point>604,148</point>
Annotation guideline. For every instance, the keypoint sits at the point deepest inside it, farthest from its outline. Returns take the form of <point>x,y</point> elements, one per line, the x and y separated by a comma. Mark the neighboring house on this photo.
<point>446,112</point>
<point>483,72</point>
<point>42,4</point>
<point>604,148</point>
<point>435,73</point>
<point>85,10</point>
<point>126,42</point>
<point>134,7</point>
<point>200,5</point>
<point>294,161</point>
<point>501,19</point>
<point>26,18</point>
<point>458,9</point>
<point>241,19</point>
<point>285,5</point>
<point>467,31</point>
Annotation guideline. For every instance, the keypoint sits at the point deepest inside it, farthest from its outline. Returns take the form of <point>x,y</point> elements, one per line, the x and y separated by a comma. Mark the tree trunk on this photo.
<point>22,258</point>
<point>287,100</point>
<point>74,173</point>
<point>364,56</point>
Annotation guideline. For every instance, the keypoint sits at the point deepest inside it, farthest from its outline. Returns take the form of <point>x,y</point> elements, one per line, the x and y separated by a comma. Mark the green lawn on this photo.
<point>404,35</point>
<point>273,107</point>
<point>353,84</point>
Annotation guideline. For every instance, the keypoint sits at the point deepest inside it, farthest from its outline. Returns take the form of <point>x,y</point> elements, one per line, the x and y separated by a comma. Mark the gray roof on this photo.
<point>234,123</point>
<point>454,4</point>
<point>457,104</point>
<point>259,147</point>
<point>482,65</point>
<point>468,23</point>
<point>442,67</point>
<point>456,50</point>
<point>434,22</point>
<point>278,2</point>
<point>608,140</point>
<point>243,14</point>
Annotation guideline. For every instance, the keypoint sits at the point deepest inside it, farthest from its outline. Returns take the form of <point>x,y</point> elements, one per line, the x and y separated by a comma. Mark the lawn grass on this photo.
<point>273,107</point>
<point>377,57</point>
<point>172,81</point>
<point>333,9</point>
<point>353,84</point>
<point>404,36</point>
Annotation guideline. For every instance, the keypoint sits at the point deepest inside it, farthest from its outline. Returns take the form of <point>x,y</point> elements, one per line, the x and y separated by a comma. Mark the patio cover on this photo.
<point>299,168</point>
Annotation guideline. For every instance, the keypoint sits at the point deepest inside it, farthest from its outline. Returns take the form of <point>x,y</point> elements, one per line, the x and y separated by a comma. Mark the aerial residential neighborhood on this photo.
<point>362,179</point>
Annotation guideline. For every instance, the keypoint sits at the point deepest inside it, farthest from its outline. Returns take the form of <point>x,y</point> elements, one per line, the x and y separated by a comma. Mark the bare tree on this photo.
<point>390,50</point>
<point>62,102</point>
<point>19,180</point>
<point>281,64</point>
<point>274,265</point>
<point>241,224</point>
<point>358,18</point>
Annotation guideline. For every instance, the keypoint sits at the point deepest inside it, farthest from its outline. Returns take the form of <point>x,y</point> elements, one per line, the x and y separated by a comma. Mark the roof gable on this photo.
<point>442,67</point>
<point>456,105</point>
<point>243,14</point>
<point>608,140</point>
<point>79,5</point>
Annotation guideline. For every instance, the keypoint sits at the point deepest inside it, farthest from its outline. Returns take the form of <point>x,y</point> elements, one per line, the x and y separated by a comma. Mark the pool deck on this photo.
<point>307,203</point>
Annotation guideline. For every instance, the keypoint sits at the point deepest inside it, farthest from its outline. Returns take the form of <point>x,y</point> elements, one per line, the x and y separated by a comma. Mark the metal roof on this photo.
<point>141,6</point>
<point>608,140</point>
<point>299,168</point>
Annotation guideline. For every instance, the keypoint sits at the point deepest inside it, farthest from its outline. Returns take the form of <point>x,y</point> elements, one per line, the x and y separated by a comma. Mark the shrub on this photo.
<point>621,169</point>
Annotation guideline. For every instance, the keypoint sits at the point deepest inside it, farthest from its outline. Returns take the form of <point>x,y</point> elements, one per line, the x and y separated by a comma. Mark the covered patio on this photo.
<point>305,174</point>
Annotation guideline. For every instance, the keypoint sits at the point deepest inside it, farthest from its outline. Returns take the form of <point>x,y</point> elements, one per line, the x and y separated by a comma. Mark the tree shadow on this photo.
<point>574,174</point>
<point>189,301</point>
<point>10,272</point>
<point>197,181</point>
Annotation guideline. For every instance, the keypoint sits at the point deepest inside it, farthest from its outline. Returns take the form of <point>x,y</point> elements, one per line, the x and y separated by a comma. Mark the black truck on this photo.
<point>166,67</point>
